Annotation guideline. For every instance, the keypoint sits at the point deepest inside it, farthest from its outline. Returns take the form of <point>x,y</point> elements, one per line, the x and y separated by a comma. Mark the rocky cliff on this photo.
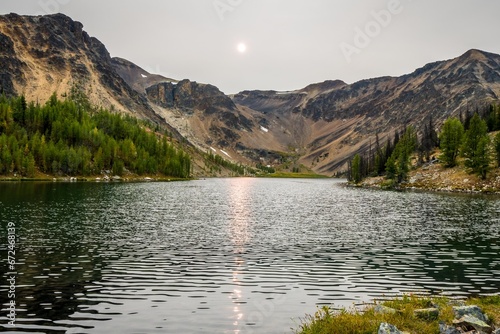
<point>40,55</point>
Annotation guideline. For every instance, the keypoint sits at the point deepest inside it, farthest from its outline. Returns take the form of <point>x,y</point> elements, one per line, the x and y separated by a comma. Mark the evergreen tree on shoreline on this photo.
<point>450,141</point>
<point>475,147</point>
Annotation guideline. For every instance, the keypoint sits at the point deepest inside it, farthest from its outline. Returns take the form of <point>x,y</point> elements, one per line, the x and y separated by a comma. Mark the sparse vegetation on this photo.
<point>354,321</point>
<point>217,162</point>
<point>292,175</point>
<point>463,141</point>
<point>266,169</point>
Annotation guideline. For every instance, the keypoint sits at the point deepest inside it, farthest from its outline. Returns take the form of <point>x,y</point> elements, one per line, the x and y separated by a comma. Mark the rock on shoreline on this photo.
<point>468,319</point>
<point>434,177</point>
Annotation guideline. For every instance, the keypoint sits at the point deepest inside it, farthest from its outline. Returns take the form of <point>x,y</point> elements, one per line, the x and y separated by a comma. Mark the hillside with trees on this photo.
<point>470,144</point>
<point>73,138</point>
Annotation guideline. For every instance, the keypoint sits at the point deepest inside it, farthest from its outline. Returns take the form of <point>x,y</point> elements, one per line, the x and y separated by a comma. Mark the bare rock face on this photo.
<point>439,88</point>
<point>216,109</point>
<point>162,94</point>
<point>11,66</point>
<point>472,317</point>
<point>61,55</point>
<point>188,95</point>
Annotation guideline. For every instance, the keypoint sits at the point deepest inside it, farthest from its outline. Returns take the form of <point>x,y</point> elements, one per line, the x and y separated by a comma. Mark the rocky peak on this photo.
<point>189,96</point>
<point>475,54</point>
<point>52,53</point>
<point>138,78</point>
<point>324,86</point>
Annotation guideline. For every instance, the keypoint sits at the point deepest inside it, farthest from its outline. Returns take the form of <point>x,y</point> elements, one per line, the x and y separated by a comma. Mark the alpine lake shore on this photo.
<point>432,176</point>
<point>410,314</point>
<point>413,313</point>
<point>400,315</point>
<point>105,177</point>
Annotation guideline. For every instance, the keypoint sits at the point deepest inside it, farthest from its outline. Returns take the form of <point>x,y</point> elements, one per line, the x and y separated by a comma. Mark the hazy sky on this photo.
<point>289,43</point>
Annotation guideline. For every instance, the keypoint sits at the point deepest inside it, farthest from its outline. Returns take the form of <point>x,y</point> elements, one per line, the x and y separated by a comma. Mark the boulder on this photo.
<point>381,309</point>
<point>472,310</point>
<point>477,324</point>
<point>386,328</point>
<point>445,329</point>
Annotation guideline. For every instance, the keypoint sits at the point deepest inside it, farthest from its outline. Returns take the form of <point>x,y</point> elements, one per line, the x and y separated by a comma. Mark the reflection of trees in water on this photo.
<point>56,252</point>
<point>469,244</point>
<point>469,262</point>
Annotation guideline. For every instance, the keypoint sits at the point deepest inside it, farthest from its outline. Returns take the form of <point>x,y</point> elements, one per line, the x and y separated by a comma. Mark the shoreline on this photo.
<point>433,177</point>
<point>147,178</point>
<point>409,314</point>
<point>93,179</point>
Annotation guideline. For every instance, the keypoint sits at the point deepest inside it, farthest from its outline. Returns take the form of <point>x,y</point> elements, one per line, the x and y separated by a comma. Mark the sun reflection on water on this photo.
<point>240,202</point>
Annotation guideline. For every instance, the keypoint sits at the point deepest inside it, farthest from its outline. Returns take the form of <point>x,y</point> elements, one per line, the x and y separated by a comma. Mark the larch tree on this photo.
<point>475,147</point>
<point>450,140</point>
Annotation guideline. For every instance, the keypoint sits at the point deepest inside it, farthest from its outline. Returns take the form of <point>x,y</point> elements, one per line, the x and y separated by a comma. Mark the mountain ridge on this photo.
<point>319,126</point>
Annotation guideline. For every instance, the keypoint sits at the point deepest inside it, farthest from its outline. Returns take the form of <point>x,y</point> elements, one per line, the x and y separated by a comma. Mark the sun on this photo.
<point>242,48</point>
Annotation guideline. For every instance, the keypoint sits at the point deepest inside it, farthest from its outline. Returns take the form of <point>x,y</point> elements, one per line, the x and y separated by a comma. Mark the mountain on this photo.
<point>41,55</point>
<point>320,126</point>
<point>135,76</point>
<point>339,119</point>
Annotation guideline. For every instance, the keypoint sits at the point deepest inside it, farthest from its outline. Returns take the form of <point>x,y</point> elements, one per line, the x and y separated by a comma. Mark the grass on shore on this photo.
<point>353,321</point>
<point>296,175</point>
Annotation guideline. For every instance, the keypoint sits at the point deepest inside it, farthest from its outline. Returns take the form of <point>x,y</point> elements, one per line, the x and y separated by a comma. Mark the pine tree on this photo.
<point>482,157</point>
<point>72,138</point>
<point>451,141</point>
<point>398,165</point>
<point>356,174</point>
<point>475,146</point>
<point>390,168</point>
<point>497,148</point>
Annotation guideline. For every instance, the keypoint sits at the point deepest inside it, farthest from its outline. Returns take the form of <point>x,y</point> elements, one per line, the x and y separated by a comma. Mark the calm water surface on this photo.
<point>233,255</point>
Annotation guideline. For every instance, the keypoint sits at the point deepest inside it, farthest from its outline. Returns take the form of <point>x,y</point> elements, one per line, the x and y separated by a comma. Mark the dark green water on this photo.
<point>232,255</point>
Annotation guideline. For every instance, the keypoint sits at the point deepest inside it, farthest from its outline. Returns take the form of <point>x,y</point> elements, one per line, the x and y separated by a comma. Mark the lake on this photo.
<point>240,255</point>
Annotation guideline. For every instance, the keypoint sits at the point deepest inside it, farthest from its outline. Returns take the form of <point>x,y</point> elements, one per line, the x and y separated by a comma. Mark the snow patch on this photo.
<point>213,149</point>
<point>225,153</point>
<point>144,76</point>
<point>264,129</point>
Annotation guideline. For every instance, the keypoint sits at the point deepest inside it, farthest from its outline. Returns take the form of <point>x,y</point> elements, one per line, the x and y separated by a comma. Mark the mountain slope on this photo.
<point>41,55</point>
<point>137,78</point>
<point>320,126</point>
<point>379,105</point>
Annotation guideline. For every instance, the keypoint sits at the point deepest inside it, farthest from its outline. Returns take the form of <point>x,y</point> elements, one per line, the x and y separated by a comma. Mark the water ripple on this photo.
<point>235,255</point>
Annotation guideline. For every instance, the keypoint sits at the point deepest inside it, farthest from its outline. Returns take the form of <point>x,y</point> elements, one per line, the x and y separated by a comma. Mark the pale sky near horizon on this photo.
<point>280,44</point>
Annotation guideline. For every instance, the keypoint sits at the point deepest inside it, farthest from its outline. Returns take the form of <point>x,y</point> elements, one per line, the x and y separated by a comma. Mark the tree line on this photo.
<point>71,137</point>
<point>465,136</point>
<point>219,162</point>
